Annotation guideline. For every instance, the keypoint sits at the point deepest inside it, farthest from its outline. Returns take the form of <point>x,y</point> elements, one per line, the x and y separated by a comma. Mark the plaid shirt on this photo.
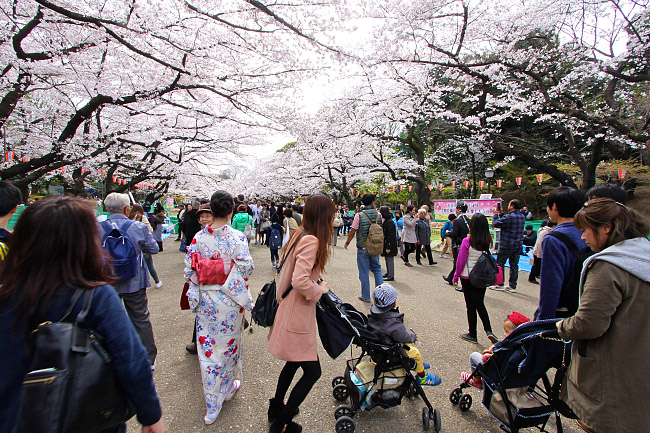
<point>512,229</point>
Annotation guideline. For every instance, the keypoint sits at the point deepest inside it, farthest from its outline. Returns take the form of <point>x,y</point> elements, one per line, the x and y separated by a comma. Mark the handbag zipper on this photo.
<point>45,380</point>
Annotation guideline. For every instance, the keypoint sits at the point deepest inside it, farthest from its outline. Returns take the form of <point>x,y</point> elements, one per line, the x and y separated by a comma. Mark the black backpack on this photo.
<point>569,296</point>
<point>71,386</point>
<point>275,240</point>
<point>484,273</point>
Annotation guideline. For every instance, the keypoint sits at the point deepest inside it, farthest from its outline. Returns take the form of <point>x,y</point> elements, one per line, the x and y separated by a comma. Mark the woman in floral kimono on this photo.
<point>220,308</point>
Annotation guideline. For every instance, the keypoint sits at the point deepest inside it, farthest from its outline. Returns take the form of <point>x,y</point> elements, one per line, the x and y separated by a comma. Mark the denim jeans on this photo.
<point>367,263</point>
<point>512,256</point>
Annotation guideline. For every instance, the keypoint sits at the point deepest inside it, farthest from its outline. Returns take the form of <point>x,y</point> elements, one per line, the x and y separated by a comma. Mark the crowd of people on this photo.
<point>590,256</point>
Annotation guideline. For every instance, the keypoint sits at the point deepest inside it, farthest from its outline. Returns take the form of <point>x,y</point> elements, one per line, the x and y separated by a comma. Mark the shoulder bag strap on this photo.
<point>288,289</point>
<point>80,337</point>
<point>286,256</point>
<point>73,301</point>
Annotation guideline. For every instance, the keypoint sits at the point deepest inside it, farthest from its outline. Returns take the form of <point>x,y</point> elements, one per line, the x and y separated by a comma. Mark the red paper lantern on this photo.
<point>499,182</point>
<point>467,184</point>
<point>481,183</point>
<point>518,180</point>
<point>540,178</point>
<point>622,173</point>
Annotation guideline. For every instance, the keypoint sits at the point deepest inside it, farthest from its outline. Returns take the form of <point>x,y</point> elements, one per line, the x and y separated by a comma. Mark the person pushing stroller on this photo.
<point>387,323</point>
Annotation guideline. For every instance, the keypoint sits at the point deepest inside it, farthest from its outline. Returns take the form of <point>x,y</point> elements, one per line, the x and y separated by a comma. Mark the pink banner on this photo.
<point>486,207</point>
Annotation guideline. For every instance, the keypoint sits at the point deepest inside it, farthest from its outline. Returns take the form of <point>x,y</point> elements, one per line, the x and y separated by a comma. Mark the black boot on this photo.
<point>275,409</point>
<point>284,424</point>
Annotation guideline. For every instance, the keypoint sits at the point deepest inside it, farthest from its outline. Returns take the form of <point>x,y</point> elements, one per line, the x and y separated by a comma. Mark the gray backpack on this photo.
<point>374,243</point>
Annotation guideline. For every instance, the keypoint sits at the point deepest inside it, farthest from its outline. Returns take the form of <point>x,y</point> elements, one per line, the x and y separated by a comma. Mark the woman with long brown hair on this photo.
<point>292,337</point>
<point>611,329</point>
<point>477,241</point>
<point>54,252</point>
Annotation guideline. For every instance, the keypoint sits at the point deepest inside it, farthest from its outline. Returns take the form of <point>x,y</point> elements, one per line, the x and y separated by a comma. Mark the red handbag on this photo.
<point>185,303</point>
<point>209,271</point>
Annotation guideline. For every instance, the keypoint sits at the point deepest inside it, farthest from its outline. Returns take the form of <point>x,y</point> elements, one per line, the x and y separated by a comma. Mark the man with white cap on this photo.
<point>385,321</point>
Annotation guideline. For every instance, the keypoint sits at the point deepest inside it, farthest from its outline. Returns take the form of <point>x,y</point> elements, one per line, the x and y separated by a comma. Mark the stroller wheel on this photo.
<point>425,418</point>
<point>340,392</point>
<point>454,397</point>
<point>338,380</point>
<point>343,410</point>
<point>435,417</point>
<point>465,402</point>
<point>344,425</point>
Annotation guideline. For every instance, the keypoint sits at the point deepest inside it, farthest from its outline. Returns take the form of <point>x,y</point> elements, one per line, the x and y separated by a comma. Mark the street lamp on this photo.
<point>489,173</point>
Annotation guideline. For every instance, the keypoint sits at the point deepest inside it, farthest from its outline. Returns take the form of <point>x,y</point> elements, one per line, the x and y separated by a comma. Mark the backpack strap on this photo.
<point>567,242</point>
<point>126,225</point>
<point>370,221</point>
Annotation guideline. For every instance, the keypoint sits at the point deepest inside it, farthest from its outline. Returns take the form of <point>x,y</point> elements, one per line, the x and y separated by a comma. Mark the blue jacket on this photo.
<point>557,264</point>
<point>106,316</point>
<point>446,227</point>
<point>143,242</point>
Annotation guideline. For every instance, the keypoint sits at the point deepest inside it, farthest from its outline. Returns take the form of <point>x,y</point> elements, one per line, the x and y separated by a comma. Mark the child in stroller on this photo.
<point>511,393</point>
<point>387,323</point>
<point>386,377</point>
<point>510,324</point>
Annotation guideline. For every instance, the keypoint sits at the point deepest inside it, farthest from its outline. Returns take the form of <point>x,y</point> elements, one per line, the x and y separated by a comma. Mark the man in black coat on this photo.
<point>191,224</point>
<point>459,231</point>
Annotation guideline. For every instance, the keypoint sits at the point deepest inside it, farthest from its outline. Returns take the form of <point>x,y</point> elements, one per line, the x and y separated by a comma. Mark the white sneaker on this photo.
<point>497,288</point>
<point>210,418</point>
<point>158,284</point>
<point>511,290</point>
<point>233,390</point>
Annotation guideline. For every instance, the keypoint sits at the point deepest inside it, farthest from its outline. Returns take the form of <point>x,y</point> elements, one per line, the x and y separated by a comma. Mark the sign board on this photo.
<point>485,197</point>
<point>486,207</point>
<point>442,208</point>
<point>169,201</point>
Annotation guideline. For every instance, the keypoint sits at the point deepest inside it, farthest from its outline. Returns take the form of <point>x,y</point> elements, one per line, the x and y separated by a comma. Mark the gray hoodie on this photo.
<point>631,255</point>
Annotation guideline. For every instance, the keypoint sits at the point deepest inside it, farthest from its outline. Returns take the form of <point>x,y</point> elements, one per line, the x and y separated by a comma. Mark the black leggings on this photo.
<point>311,373</point>
<point>408,249</point>
<point>475,303</point>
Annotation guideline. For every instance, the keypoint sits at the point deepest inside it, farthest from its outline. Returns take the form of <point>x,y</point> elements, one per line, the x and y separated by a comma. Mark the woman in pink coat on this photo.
<point>292,337</point>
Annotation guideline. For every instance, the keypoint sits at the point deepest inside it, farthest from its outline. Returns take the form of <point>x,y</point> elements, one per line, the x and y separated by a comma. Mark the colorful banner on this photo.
<point>442,209</point>
<point>486,207</point>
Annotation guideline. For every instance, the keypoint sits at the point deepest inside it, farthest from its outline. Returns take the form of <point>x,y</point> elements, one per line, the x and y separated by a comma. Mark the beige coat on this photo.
<point>607,384</point>
<point>293,334</point>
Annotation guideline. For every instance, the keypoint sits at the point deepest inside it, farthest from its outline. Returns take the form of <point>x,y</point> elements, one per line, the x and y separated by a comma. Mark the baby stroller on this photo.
<point>380,376</point>
<point>511,392</point>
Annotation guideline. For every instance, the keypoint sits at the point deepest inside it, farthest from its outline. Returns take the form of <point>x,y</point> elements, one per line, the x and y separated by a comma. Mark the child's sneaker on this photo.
<point>429,379</point>
<point>475,381</point>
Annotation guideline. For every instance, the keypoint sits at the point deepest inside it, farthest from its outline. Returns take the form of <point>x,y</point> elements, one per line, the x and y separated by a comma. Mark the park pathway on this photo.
<point>432,308</point>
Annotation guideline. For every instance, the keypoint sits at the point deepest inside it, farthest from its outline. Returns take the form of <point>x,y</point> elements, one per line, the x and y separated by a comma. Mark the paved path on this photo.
<point>433,309</point>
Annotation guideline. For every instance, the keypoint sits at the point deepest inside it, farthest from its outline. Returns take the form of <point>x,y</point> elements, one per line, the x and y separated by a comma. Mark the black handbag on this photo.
<point>71,386</point>
<point>266,304</point>
<point>334,327</point>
